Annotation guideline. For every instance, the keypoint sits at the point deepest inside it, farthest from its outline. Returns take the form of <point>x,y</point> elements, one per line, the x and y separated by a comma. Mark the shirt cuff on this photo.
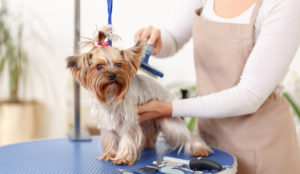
<point>177,108</point>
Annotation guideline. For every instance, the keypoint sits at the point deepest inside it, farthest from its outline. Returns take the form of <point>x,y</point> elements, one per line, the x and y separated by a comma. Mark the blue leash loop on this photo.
<point>109,10</point>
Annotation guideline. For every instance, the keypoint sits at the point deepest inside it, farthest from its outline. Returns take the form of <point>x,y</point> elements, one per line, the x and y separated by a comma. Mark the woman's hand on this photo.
<point>154,109</point>
<point>152,35</point>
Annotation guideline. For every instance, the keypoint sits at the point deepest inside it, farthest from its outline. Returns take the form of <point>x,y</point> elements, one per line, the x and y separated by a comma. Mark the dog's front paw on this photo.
<point>107,156</point>
<point>124,161</point>
<point>201,151</point>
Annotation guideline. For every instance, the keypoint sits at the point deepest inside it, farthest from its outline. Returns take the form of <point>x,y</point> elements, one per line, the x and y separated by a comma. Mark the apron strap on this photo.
<point>255,12</point>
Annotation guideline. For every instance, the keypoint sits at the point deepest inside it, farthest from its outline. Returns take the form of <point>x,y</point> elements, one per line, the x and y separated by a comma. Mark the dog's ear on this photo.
<point>135,54</point>
<point>79,65</point>
<point>72,61</point>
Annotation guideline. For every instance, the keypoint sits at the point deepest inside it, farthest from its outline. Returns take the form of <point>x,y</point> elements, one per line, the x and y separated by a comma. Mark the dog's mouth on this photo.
<point>109,83</point>
<point>114,82</point>
<point>111,89</point>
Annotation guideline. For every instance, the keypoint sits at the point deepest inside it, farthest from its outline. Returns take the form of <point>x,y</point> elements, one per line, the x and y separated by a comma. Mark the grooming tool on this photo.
<point>123,171</point>
<point>170,170</point>
<point>144,63</point>
<point>197,164</point>
<point>157,163</point>
<point>148,170</point>
<point>144,170</point>
<point>172,165</point>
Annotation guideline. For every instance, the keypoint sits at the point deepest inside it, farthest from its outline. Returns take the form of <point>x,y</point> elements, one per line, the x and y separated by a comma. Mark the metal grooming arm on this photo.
<point>77,134</point>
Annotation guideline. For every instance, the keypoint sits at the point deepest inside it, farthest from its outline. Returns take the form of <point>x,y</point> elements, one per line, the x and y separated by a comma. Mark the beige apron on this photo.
<point>264,142</point>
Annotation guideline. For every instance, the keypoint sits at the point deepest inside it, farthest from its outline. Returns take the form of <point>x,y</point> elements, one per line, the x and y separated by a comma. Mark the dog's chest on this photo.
<point>115,116</point>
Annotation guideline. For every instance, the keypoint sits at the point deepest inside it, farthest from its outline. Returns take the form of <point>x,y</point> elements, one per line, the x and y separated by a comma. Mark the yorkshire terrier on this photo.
<point>110,75</point>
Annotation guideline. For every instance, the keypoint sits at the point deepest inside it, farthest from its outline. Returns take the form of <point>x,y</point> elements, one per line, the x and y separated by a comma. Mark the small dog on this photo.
<point>111,76</point>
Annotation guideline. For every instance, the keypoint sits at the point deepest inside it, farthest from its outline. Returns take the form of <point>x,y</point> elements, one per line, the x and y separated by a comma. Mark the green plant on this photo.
<point>191,124</point>
<point>292,103</point>
<point>13,57</point>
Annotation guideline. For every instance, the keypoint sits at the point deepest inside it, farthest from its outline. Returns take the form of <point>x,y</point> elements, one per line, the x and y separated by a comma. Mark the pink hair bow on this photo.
<point>101,44</point>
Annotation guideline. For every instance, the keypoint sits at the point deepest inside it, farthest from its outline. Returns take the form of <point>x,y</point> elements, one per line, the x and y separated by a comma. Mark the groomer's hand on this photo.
<point>152,35</point>
<point>154,109</point>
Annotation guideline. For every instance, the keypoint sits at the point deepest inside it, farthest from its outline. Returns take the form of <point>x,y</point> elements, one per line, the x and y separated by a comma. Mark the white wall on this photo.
<point>53,20</point>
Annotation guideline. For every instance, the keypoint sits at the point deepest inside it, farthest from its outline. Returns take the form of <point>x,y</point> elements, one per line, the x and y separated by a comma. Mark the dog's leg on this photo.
<point>196,146</point>
<point>109,141</point>
<point>150,131</point>
<point>177,134</point>
<point>130,146</point>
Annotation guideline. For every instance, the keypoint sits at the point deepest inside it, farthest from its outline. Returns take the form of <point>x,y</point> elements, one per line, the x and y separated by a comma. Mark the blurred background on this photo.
<point>36,90</point>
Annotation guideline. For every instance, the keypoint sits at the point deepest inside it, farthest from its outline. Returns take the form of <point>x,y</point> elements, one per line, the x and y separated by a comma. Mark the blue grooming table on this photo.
<point>62,156</point>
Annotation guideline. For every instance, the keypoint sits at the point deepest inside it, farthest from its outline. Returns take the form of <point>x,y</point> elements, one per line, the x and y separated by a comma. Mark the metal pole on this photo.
<point>76,85</point>
<point>77,134</point>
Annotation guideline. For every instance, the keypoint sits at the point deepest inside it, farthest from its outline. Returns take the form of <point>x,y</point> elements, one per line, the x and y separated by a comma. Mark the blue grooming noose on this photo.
<point>109,11</point>
<point>144,62</point>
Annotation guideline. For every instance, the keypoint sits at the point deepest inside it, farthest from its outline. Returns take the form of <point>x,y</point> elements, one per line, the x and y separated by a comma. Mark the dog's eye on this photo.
<point>118,65</point>
<point>99,66</point>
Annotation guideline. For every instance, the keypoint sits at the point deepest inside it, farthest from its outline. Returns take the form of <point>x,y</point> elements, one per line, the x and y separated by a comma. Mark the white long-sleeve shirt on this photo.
<point>277,37</point>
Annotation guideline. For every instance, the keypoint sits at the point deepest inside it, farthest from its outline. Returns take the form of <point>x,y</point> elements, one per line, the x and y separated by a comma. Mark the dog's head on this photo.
<point>106,71</point>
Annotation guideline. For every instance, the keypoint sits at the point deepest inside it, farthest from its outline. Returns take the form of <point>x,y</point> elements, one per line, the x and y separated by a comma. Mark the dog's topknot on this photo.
<point>102,35</point>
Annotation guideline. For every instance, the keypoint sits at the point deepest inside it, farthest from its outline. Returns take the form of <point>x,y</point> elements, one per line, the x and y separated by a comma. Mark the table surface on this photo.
<point>62,156</point>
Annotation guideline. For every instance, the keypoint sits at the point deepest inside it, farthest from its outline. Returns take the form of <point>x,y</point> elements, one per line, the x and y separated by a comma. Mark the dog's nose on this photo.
<point>112,76</point>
